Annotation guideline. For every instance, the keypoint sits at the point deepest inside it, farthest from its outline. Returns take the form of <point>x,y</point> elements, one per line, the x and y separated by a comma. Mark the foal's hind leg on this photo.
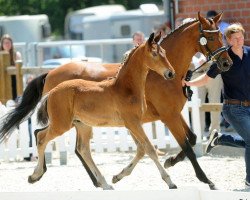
<point>138,132</point>
<point>42,140</point>
<point>84,134</point>
<point>128,170</point>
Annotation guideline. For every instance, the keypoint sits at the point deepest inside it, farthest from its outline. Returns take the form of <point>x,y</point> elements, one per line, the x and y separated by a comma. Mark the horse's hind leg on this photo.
<point>128,170</point>
<point>42,139</point>
<point>84,134</point>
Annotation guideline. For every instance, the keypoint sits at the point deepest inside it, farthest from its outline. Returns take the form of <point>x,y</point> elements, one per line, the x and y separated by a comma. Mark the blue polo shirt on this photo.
<point>236,81</point>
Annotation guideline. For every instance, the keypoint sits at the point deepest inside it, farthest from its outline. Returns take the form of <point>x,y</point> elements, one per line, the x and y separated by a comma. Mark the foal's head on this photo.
<point>156,59</point>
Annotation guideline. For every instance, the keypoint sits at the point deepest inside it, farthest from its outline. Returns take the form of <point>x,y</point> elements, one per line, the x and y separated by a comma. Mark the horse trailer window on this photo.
<point>46,31</point>
<point>125,31</point>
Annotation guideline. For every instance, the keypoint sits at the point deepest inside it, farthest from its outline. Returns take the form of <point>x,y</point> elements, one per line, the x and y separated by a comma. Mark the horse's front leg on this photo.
<point>84,134</point>
<point>172,160</point>
<point>128,170</point>
<point>187,149</point>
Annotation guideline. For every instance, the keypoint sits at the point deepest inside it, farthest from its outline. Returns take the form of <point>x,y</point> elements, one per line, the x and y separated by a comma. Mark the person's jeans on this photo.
<point>239,117</point>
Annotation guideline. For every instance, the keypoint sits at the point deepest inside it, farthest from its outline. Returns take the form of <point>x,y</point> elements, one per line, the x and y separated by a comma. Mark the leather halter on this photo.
<point>211,55</point>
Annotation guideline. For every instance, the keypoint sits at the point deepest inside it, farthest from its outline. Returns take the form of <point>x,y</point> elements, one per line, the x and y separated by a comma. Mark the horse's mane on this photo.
<point>181,27</point>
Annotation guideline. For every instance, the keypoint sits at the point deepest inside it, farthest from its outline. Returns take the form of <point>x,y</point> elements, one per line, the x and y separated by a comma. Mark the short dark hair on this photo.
<point>211,13</point>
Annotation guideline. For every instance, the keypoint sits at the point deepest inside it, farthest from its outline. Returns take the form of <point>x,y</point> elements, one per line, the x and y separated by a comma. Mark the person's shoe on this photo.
<point>229,129</point>
<point>212,141</point>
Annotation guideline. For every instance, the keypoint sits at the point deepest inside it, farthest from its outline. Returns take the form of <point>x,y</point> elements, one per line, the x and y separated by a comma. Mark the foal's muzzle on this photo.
<point>168,74</point>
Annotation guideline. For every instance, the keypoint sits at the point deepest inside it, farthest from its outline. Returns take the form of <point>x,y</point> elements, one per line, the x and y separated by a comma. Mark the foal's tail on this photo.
<point>31,96</point>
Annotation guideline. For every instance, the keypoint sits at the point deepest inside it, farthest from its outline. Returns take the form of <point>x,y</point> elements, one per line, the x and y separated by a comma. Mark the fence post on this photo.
<point>5,81</point>
<point>19,77</point>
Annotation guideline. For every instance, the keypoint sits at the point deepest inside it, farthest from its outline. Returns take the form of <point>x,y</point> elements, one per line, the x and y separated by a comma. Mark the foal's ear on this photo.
<point>154,38</point>
<point>157,37</point>
<point>218,17</point>
<point>151,38</point>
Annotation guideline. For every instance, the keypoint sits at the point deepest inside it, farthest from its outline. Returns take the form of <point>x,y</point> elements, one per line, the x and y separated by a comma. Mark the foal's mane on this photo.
<point>125,61</point>
<point>127,57</point>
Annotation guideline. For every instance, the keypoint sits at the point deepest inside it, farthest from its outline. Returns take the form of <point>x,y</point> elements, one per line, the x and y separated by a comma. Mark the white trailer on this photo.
<point>26,28</point>
<point>115,25</point>
<point>73,20</point>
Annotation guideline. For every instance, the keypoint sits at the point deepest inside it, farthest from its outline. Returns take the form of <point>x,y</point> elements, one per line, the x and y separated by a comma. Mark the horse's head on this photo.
<point>158,60</point>
<point>211,43</point>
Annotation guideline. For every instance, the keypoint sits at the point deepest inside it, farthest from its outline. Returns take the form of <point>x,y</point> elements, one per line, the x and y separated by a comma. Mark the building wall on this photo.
<point>233,11</point>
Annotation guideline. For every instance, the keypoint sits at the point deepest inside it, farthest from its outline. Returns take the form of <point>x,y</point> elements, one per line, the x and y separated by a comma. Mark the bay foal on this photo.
<point>117,101</point>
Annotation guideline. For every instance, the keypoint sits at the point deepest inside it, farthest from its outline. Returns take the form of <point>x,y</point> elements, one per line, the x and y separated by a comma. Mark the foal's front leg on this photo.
<point>128,170</point>
<point>137,130</point>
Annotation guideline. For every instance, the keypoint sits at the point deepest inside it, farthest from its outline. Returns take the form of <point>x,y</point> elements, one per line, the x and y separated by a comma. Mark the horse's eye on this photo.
<point>210,38</point>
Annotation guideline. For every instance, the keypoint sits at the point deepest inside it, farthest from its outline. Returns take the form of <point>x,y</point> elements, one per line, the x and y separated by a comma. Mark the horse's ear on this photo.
<point>202,19</point>
<point>218,17</point>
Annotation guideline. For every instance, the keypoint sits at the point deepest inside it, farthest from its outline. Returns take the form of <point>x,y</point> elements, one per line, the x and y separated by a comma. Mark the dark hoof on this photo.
<point>167,163</point>
<point>115,179</point>
<point>172,186</point>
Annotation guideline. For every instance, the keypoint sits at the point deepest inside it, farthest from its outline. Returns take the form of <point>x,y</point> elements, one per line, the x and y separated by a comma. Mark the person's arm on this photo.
<point>197,82</point>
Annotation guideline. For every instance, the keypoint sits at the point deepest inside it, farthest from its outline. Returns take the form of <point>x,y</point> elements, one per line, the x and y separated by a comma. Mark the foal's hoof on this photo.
<point>115,179</point>
<point>172,186</point>
<point>212,187</point>
<point>167,163</point>
<point>31,180</point>
<point>109,187</point>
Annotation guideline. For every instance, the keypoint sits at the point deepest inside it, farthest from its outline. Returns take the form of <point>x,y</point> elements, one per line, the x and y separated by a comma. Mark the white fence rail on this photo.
<point>17,146</point>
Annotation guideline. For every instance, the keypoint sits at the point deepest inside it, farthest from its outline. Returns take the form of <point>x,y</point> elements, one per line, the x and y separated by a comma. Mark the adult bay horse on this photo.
<point>118,101</point>
<point>165,99</point>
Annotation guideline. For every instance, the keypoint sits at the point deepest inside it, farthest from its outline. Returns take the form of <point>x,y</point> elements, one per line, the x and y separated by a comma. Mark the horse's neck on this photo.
<point>180,48</point>
<point>133,73</point>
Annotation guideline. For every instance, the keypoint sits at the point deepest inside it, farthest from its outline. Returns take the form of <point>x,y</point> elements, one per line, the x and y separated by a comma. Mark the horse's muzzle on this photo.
<point>224,64</point>
<point>168,74</point>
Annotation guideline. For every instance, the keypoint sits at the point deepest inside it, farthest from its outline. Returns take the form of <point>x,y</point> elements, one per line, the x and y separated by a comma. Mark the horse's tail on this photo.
<point>30,98</point>
<point>42,113</point>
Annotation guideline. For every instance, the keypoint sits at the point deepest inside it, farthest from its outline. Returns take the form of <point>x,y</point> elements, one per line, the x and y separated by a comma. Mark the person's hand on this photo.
<point>183,82</point>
